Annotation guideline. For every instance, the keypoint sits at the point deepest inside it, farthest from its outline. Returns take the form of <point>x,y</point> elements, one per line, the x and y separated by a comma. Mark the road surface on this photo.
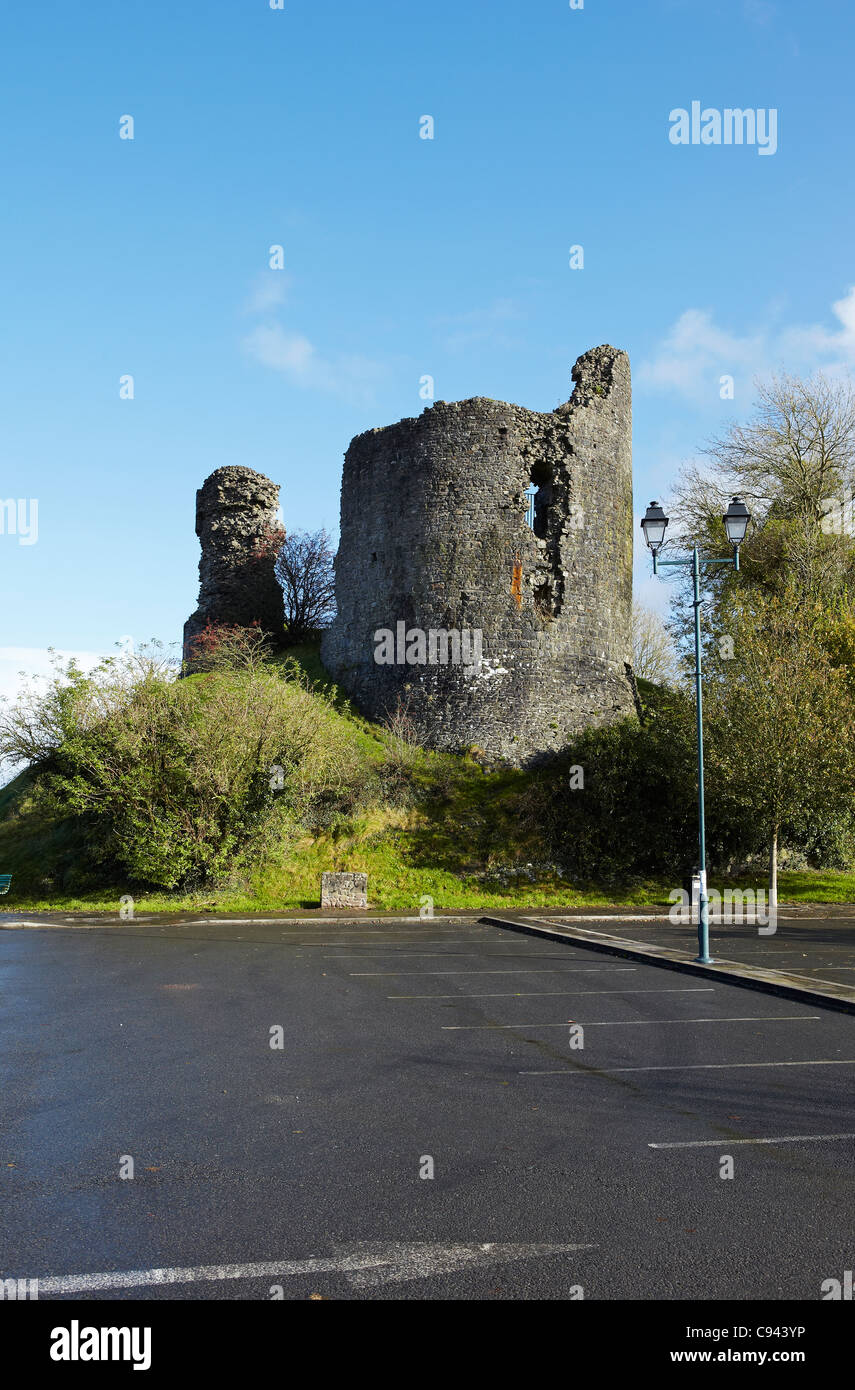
<point>261,1171</point>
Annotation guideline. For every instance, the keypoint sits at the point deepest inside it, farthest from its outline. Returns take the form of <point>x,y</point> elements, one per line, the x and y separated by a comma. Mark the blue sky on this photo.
<point>403,256</point>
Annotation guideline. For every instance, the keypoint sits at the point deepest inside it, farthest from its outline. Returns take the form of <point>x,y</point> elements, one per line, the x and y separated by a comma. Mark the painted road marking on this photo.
<point>363,1265</point>
<point>394,938</point>
<point>450,955</point>
<point>413,933</point>
<point>698,1066</point>
<point>375,946</point>
<point>719,1143</point>
<point>628,1022</point>
<point>551,994</point>
<point>447,955</point>
<point>375,974</point>
<point>524,994</point>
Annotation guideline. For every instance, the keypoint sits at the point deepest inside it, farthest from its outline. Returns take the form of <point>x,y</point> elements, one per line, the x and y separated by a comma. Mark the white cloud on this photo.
<point>268,292</point>
<point>696,351</point>
<point>353,377</point>
<point>290,352</point>
<point>836,348</point>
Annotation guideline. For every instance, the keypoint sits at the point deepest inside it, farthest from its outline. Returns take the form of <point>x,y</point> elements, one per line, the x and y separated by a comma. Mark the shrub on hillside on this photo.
<point>621,803</point>
<point>228,647</point>
<point>182,781</point>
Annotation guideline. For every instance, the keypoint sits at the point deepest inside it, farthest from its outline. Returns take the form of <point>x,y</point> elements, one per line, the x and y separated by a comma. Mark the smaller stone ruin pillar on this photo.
<point>237,525</point>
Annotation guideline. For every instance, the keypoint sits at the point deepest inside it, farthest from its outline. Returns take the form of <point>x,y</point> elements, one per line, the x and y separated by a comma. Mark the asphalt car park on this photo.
<point>406,1110</point>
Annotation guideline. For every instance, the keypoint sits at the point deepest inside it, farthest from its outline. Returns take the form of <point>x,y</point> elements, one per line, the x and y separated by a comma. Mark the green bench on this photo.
<point>5,880</point>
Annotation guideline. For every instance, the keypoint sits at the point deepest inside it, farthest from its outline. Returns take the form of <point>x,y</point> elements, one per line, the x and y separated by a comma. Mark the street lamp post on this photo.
<point>653,525</point>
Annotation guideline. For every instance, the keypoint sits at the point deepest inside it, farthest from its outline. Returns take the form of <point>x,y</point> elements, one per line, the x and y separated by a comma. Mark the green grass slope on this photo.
<point>432,826</point>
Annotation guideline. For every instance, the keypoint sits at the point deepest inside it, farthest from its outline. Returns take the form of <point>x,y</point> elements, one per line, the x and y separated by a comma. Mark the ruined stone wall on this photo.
<point>434,536</point>
<point>235,519</point>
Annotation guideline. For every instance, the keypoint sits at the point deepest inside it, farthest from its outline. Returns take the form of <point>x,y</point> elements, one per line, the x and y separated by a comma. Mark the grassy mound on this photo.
<point>162,790</point>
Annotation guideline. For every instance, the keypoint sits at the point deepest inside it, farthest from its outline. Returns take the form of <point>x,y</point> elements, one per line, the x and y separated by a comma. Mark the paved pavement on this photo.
<point>819,946</point>
<point>555,1168</point>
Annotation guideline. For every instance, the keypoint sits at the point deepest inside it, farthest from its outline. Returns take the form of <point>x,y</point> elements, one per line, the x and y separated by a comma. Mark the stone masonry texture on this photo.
<point>344,890</point>
<point>237,527</point>
<point>434,535</point>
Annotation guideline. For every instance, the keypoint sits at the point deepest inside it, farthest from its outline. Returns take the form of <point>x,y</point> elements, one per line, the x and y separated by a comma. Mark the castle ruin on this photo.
<point>484,572</point>
<point>237,526</point>
<point>437,559</point>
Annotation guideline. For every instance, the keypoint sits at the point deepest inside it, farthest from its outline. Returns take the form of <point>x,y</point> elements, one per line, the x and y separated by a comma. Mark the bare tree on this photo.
<point>403,748</point>
<point>228,647</point>
<point>797,452</point>
<point>653,655</point>
<point>304,568</point>
<point>794,464</point>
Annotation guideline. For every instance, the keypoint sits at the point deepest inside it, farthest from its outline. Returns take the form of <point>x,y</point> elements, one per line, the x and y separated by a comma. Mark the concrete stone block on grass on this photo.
<point>344,890</point>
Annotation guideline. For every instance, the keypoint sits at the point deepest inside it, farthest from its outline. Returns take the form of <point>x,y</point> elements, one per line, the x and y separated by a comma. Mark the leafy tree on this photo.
<point>780,721</point>
<point>779,636</point>
<point>621,804</point>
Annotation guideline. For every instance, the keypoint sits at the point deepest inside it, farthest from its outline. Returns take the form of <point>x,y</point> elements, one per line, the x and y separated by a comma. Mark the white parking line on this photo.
<point>524,994</point>
<point>375,945</point>
<point>698,1066</point>
<point>449,955</point>
<point>374,974</point>
<point>725,1143</point>
<point>393,938</point>
<point>627,1022</point>
<point>553,993</point>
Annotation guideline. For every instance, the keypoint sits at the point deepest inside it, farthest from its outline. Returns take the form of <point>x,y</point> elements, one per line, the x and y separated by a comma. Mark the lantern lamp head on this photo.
<point>653,524</point>
<point>736,520</point>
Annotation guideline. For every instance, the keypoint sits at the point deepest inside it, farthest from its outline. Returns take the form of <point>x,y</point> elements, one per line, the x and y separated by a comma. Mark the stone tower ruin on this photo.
<point>236,522</point>
<point>490,628</point>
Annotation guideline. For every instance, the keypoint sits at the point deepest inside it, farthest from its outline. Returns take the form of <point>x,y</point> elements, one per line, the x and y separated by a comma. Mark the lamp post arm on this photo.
<point>702,559</point>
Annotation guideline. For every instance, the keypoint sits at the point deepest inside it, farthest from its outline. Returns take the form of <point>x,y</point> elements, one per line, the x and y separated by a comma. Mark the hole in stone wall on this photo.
<point>546,496</point>
<point>544,603</point>
<point>542,499</point>
<point>538,497</point>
